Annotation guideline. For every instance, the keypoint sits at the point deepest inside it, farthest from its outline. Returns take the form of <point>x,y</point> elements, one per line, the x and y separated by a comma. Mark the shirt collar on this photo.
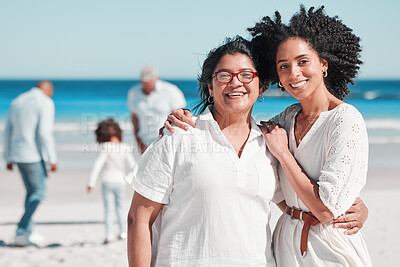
<point>255,131</point>
<point>206,115</point>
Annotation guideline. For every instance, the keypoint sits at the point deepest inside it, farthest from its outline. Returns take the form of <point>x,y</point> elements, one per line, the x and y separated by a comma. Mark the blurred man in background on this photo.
<point>150,102</point>
<point>29,143</point>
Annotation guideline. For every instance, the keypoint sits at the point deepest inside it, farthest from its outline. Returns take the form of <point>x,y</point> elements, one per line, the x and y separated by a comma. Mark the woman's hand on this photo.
<point>275,138</point>
<point>179,117</point>
<point>354,219</point>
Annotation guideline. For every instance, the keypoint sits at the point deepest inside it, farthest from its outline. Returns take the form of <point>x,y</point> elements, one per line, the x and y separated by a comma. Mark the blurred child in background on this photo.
<point>112,164</point>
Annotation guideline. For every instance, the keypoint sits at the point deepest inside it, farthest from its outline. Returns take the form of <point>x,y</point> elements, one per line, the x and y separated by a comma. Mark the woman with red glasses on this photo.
<point>210,187</point>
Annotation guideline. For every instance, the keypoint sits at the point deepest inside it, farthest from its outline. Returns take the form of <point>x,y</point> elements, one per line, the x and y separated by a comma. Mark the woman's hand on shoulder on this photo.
<point>275,138</point>
<point>179,117</point>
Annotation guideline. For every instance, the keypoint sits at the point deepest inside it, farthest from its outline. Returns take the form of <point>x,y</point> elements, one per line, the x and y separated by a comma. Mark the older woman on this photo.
<point>211,186</point>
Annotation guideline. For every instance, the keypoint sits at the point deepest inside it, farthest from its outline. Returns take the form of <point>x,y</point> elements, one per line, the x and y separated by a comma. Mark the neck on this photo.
<point>115,139</point>
<point>317,103</point>
<point>239,122</point>
<point>235,128</point>
<point>46,92</point>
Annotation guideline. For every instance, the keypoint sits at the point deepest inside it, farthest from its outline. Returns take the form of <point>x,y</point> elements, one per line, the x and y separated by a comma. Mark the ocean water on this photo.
<point>81,104</point>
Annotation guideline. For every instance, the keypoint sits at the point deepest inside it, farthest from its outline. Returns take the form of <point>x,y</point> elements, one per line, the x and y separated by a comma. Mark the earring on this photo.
<point>324,73</point>
<point>262,98</point>
<point>210,99</point>
<point>280,85</point>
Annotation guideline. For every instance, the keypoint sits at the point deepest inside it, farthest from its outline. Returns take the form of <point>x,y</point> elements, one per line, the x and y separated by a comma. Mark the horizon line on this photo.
<point>166,78</point>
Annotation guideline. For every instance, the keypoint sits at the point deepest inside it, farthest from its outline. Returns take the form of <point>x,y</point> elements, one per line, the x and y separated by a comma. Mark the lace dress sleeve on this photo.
<point>345,170</point>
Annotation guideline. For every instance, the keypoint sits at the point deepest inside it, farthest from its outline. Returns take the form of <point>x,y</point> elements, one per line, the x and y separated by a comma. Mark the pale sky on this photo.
<point>97,39</point>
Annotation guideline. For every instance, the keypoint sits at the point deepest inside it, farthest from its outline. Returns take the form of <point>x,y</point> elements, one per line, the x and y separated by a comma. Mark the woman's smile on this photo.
<point>298,85</point>
<point>236,95</point>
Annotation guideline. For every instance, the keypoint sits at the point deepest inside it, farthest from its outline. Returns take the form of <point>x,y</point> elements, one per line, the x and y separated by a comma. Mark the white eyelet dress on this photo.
<point>334,153</point>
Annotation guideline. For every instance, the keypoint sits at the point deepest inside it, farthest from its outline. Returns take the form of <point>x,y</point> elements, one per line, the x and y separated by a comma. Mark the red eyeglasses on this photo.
<point>242,76</point>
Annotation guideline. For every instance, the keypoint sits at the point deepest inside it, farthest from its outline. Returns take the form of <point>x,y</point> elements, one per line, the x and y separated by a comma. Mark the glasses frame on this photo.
<point>235,74</point>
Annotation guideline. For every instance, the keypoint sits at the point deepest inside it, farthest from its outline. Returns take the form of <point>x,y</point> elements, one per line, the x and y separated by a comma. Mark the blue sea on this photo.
<point>80,104</point>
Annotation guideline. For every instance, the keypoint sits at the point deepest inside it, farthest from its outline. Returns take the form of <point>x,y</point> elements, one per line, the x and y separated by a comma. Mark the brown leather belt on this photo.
<point>308,219</point>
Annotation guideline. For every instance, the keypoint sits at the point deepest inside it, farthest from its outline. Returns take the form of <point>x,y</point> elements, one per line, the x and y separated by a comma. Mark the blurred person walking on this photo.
<point>29,143</point>
<point>150,102</point>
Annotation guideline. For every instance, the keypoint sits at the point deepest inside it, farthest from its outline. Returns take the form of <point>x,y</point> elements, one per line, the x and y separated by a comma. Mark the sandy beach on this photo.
<point>71,221</point>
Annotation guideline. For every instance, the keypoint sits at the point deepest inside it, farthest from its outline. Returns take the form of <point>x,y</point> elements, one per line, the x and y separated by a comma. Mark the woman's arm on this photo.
<point>354,218</point>
<point>282,205</point>
<point>342,176</point>
<point>306,189</point>
<point>141,216</point>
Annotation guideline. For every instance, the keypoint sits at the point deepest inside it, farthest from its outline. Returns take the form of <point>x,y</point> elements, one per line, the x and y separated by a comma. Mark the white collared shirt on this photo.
<point>217,205</point>
<point>152,110</point>
<point>28,136</point>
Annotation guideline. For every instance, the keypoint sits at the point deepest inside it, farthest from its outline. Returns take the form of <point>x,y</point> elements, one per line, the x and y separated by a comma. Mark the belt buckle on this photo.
<point>291,213</point>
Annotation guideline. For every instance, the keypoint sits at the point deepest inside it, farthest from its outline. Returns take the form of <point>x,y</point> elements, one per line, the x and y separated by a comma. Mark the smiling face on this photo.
<point>235,97</point>
<point>300,68</point>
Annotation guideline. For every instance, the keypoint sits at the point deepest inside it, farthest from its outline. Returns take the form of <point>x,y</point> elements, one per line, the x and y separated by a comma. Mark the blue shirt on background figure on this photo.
<point>29,143</point>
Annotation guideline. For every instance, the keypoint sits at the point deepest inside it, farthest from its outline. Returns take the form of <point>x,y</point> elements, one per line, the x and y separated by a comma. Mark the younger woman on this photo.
<point>323,145</point>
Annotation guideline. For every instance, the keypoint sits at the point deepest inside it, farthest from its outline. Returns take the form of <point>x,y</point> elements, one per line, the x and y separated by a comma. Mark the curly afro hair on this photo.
<point>107,129</point>
<point>328,36</point>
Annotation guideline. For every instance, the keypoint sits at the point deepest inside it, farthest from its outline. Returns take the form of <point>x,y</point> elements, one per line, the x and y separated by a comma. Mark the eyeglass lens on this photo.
<point>243,76</point>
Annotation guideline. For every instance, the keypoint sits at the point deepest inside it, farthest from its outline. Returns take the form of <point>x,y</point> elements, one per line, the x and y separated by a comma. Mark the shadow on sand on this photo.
<point>52,245</point>
<point>11,245</point>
